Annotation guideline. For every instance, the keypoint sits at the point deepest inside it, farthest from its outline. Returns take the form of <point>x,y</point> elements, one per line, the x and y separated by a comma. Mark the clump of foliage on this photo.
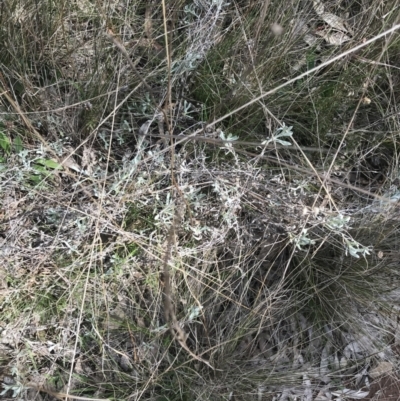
<point>237,158</point>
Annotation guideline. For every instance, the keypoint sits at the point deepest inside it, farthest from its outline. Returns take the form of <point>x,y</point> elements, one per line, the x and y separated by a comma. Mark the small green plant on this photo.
<point>302,239</point>
<point>17,387</point>
<point>283,131</point>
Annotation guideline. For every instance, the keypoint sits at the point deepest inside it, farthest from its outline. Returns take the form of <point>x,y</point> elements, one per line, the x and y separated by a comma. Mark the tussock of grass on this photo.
<point>283,266</point>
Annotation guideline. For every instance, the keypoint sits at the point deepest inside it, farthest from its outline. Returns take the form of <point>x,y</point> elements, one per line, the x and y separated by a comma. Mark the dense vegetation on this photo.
<point>198,199</point>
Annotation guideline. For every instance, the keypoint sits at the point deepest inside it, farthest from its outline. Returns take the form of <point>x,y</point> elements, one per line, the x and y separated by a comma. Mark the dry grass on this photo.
<point>115,118</point>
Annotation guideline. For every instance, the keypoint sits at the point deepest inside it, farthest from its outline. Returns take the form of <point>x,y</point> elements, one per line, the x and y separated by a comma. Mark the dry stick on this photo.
<point>176,330</point>
<point>168,107</point>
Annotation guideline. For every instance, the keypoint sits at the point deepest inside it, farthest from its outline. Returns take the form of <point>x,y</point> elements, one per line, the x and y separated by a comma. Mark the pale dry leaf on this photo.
<point>144,128</point>
<point>140,322</point>
<point>37,379</point>
<point>381,369</point>
<point>322,396</point>
<point>366,100</point>
<point>334,38</point>
<point>334,21</point>
<point>78,366</point>
<point>318,7</point>
<point>88,159</point>
<point>311,40</point>
<point>125,363</point>
<point>344,362</point>
<point>68,160</point>
<point>11,336</point>
<point>69,163</point>
<point>276,29</point>
<point>348,393</point>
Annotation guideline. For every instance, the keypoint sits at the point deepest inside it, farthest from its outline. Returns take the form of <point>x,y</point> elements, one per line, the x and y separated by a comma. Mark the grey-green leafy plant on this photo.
<point>281,132</point>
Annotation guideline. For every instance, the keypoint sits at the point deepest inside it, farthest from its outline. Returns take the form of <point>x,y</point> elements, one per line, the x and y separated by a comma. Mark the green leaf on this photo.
<point>281,132</point>
<point>18,146</point>
<point>4,142</point>
<point>50,163</point>
<point>3,165</point>
<point>311,58</point>
<point>39,168</point>
<point>284,143</point>
<point>35,179</point>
